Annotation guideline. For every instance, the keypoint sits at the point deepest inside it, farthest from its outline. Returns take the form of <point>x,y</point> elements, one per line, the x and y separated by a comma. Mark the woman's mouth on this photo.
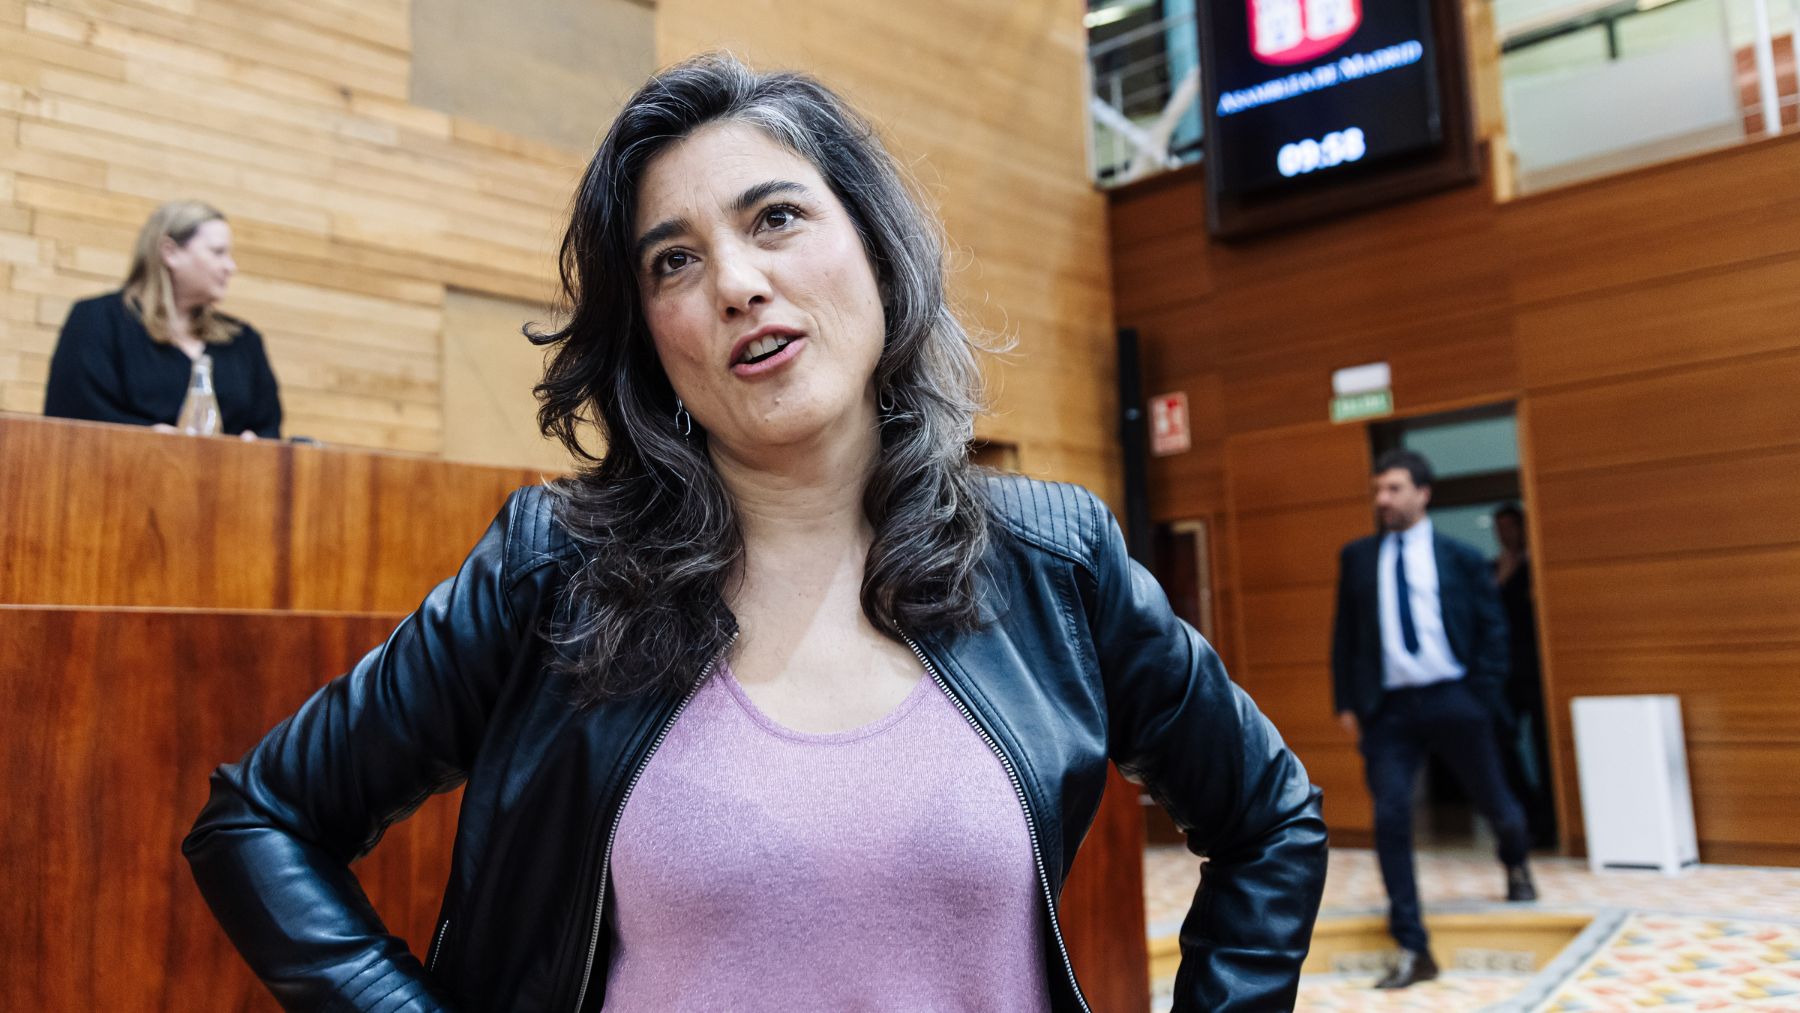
<point>767,353</point>
<point>763,349</point>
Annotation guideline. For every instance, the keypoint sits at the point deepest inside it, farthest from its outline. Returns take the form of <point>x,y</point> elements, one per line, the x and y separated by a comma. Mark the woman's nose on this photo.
<point>742,281</point>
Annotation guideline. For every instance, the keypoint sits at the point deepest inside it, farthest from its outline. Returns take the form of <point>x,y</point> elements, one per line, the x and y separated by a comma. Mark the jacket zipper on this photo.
<point>437,946</point>
<point>1012,773</point>
<point>587,974</point>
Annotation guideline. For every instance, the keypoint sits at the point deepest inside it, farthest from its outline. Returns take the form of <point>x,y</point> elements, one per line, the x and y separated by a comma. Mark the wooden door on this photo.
<point>1295,496</point>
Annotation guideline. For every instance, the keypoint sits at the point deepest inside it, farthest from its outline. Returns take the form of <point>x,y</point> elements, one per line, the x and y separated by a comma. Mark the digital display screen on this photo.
<point>1309,89</point>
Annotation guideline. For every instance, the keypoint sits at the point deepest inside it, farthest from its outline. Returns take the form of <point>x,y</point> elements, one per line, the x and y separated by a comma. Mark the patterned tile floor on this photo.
<point>1714,938</point>
<point>1682,962</point>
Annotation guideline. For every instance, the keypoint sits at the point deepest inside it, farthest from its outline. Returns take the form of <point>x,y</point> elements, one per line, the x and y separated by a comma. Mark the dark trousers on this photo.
<point>1530,740</point>
<point>1447,720</point>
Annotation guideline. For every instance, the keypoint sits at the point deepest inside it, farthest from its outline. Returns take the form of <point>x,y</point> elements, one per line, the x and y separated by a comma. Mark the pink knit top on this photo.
<point>887,867</point>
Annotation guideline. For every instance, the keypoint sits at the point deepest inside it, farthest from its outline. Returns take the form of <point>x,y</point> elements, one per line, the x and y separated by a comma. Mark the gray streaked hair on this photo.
<point>646,607</point>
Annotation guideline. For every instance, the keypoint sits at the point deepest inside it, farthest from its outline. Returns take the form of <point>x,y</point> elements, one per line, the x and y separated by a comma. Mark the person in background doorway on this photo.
<point>127,356</point>
<point>1418,666</point>
<point>1527,761</point>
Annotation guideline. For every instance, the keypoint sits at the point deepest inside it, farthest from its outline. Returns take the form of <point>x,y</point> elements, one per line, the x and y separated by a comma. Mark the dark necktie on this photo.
<point>1408,632</point>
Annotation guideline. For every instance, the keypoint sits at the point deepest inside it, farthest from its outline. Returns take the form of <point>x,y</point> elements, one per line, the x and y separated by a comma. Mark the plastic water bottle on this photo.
<point>200,411</point>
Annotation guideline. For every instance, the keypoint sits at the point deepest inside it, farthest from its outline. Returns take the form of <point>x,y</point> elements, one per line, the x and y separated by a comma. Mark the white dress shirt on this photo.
<point>1435,662</point>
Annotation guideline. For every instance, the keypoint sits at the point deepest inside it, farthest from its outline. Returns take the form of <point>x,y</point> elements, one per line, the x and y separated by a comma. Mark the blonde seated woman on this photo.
<point>127,356</point>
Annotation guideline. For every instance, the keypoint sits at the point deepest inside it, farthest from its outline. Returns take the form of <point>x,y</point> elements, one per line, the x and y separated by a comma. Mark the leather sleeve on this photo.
<point>1178,724</point>
<point>271,850</point>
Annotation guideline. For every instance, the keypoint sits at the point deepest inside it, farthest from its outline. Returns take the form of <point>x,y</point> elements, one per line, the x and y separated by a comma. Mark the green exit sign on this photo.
<point>1347,407</point>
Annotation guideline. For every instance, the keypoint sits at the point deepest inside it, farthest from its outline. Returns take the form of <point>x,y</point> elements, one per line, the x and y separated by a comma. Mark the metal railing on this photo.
<point>1143,110</point>
<point>1144,106</point>
<point>1599,87</point>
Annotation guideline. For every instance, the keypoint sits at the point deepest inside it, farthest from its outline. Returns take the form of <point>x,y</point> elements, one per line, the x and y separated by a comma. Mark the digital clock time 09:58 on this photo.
<point>1340,147</point>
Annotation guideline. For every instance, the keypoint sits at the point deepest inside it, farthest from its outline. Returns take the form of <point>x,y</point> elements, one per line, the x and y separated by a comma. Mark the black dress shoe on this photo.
<point>1414,967</point>
<point>1518,884</point>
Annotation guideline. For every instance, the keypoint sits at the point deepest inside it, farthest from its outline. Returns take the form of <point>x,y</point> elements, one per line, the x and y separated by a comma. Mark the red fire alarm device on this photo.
<point>1169,433</point>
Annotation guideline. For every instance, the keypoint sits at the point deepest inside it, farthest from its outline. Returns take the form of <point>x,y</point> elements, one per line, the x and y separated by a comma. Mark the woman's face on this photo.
<point>201,268</point>
<point>763,306</point>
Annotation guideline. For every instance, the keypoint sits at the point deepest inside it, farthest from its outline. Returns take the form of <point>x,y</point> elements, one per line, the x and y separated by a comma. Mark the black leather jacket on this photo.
<point>1082,661</point>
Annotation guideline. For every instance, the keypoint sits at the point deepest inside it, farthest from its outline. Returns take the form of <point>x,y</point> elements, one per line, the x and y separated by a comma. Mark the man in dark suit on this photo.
<point>1418,661</point>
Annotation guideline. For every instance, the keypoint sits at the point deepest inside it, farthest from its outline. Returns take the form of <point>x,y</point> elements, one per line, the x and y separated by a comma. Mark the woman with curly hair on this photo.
<point>779,703</point>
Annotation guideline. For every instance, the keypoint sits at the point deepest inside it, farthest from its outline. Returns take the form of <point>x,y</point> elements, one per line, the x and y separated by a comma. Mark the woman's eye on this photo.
<point>779,217</point>
<point>672,261</point>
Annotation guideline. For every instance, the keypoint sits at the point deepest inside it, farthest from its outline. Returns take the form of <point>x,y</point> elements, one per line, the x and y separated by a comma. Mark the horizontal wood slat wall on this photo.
<point>353,209</point>
<point>1294,502</point>
<point>1688,388</point>
<point>1644,324</point>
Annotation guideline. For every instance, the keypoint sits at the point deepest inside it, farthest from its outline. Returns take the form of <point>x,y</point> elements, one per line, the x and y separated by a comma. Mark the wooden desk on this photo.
<point>103,515</point>
<point>163,602</point>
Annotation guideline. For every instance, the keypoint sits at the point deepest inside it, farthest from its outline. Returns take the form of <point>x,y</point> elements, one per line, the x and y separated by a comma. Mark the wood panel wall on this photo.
<point>1646,327</point>
<point>1662,378</point>
<point>1294,498</point>
<point>353,209</point>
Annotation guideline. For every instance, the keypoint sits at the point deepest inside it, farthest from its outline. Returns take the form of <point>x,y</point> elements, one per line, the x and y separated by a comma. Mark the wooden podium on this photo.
<point>163,602</point>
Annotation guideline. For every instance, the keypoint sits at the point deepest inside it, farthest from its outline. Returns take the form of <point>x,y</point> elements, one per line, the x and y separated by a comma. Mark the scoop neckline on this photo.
<point>906,706</point>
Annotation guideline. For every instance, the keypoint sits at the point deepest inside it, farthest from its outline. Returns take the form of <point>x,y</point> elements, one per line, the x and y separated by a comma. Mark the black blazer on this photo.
<point>1473,620</point>
<point>107,368</point>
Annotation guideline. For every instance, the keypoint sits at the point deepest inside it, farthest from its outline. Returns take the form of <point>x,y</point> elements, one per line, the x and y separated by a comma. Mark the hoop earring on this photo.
<point>684,423</point>
<point>885,400</point>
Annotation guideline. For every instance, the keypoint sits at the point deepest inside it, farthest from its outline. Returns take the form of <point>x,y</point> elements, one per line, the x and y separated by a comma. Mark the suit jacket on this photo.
<point>1474,622</point>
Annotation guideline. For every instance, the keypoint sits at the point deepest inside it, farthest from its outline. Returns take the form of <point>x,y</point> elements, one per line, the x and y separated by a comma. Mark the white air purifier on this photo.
<point>1635,801</point>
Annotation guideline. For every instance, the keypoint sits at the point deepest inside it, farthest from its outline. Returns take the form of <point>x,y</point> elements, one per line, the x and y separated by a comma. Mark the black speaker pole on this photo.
<point>1134,444</point>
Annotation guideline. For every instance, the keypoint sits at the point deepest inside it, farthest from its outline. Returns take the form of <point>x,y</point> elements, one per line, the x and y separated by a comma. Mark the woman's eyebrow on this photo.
<point>745,201</point>
<point>763,191</point>
<point>656,234</point>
